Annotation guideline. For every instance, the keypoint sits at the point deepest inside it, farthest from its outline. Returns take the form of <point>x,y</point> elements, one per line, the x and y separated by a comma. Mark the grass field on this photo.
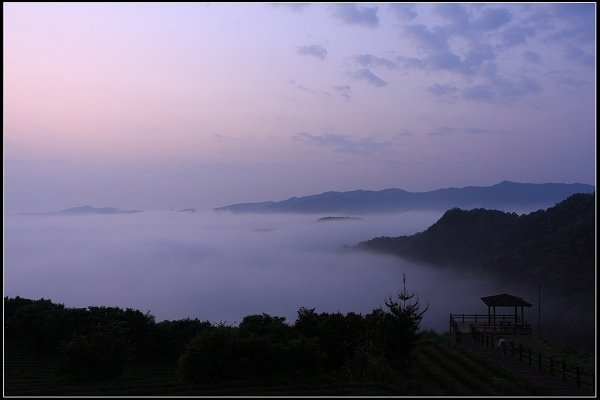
<point>569,354</point>
<point>441,368</point>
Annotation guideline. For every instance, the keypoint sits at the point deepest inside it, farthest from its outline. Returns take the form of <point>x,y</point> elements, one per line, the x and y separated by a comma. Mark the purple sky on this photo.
<point>151,106</point>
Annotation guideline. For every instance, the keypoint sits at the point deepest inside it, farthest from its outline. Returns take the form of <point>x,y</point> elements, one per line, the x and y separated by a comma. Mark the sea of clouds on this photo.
<point>221,266</point>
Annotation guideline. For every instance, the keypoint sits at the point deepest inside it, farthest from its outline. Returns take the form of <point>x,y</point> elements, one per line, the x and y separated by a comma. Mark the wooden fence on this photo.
<point>499,323</point>
<point>568,373</point>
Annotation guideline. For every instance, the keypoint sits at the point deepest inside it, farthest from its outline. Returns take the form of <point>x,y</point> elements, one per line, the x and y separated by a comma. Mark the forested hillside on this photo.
<point>554,247</point>
<point>557,244</point>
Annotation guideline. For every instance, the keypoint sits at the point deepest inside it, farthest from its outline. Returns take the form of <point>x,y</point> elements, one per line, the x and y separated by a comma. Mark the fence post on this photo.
<point>551,365</point>
<point>530,356</point>
<point>540,360</point>
<point>564,372</point>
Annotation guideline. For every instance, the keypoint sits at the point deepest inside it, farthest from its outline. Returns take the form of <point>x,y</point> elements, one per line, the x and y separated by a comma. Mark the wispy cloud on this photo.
<point>342,143</point>
<point>444,130</point>
<point>438,54</point>
<point>369,60</point>
<point>481,131</point>
<point>483,34</point>
<point>313,50</point>
<point>531,56</point>
<point>492,19</point>
<point>403,11</point>
<point>366,75</point>
<point>343,90</point>
<point>293,7</point>
<point>442,90</point>
<point>455,15</point>
<point>300,86</point>
<point>516,35</point>
<point>427,39</point>
<point>568,81</point>
<point>403,62</point>
<point>576,54</point>
<point>351,14</point>
<point>574,23</point>
<point>483,93</point>
<point>500,90</point>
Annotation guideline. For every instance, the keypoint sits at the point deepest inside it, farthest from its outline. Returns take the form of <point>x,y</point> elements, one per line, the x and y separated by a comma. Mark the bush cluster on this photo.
<point>98,342</point>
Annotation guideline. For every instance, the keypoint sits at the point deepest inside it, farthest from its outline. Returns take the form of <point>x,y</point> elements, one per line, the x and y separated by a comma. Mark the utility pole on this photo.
<point>539,308</point>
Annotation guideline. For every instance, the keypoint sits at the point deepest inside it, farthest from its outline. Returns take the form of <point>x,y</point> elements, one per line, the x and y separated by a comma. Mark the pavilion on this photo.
<point>505,300</point>
<point>493,322</point>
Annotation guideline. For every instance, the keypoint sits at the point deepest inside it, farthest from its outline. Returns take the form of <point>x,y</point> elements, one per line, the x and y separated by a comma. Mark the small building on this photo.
<point>505,300</point>
<point>493,322</point>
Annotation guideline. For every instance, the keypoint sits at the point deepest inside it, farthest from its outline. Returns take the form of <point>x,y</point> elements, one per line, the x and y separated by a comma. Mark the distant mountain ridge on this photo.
<point>94,210</point>
<point>86,210</point>
<point>503,195</point>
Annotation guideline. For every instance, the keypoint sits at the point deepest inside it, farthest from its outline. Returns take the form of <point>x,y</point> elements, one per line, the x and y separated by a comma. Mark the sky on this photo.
<point>160,105</point>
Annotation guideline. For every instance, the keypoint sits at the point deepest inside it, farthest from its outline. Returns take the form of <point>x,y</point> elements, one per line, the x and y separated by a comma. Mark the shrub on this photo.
<point>99,355</point>
<point>209,356</point>
<point>226,353</point>
<point>365,367</point>
<point>173,336</point>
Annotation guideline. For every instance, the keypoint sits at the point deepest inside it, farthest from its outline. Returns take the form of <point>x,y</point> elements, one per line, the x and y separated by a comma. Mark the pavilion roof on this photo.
<point>505,300</point>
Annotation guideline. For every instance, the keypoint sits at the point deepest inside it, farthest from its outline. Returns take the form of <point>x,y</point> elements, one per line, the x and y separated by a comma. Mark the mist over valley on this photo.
<point>222,266</point>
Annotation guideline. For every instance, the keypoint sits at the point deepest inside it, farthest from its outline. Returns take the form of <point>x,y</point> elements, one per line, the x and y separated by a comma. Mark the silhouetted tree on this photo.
<point>402,328</point>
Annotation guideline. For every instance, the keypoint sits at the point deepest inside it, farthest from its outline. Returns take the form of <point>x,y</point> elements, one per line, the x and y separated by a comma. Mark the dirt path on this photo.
<point>554,385</point>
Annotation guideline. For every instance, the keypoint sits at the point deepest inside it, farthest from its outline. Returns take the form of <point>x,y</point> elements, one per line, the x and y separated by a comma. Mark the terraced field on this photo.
<point>441,368</point>
<point>28,374</point>
<point>446,369</point>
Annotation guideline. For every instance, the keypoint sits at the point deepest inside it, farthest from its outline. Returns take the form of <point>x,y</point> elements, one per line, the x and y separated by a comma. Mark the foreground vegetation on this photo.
<point>53,350</point>
<point>440,368</point>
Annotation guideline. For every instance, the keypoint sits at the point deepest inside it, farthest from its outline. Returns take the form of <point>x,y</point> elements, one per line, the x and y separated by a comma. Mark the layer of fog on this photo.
<point>222,267</point>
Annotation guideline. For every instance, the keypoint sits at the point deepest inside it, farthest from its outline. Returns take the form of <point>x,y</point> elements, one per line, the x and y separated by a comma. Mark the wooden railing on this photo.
<point>568,373</point>
<point>500,323</point>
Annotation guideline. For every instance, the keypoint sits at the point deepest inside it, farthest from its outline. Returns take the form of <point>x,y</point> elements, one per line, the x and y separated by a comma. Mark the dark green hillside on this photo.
<point>556,244</point>
<point>465,238</point>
